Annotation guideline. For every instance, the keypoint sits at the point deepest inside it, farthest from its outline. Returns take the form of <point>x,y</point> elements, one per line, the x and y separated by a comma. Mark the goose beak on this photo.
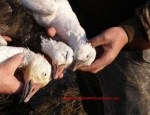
<point>30,89</point>
<point>77,64</point>
<point>57,70</point>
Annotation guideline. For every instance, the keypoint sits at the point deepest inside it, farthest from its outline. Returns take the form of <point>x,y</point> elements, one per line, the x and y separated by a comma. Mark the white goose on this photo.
<point>60,54</point>
<point>59,14</point>
<point>36,69</point>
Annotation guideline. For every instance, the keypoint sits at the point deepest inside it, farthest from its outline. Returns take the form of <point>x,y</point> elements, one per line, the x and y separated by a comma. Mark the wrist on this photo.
<point>121,33</point>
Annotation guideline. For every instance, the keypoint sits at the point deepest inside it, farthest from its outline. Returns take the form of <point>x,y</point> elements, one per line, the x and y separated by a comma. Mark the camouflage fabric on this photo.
<point>127,79</point>
<point>143,13</point>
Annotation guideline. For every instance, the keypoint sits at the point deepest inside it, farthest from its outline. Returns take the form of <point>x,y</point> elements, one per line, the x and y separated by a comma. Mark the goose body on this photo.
<point>36,69</point>
<point>59,15</point>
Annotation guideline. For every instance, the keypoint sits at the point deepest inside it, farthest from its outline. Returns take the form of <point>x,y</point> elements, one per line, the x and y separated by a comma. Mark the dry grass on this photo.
<point>46,101</point>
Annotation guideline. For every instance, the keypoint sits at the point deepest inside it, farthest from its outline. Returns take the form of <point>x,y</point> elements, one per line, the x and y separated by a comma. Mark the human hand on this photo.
<point>112,41</point>
<point>9,84</point>
<point>9,77</point>
<point>8,39</point>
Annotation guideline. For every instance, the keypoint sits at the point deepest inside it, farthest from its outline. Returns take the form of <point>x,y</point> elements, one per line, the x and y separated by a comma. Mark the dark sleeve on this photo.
<point>139,25</point>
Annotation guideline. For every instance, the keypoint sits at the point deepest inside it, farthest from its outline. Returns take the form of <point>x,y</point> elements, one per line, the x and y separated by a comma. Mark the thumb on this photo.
<point>14,62</point>
<point>51,31</point>
<point>8,39</point>
<point>97,41</point>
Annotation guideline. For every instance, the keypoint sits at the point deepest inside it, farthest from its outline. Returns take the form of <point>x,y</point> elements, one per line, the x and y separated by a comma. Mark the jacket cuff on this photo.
<point>134,29</point>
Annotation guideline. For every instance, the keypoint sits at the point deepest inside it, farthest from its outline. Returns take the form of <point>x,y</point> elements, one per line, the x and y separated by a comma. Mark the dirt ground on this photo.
<point>47,101</point>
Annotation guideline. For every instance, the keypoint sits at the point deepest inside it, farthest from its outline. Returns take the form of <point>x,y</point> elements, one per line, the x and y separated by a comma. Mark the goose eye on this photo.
<point>44,74</point>
<point>87,56</point>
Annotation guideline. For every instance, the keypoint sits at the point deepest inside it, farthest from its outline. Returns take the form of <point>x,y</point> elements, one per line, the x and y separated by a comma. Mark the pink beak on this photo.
<point>58,70</point>
<point>30,89</point>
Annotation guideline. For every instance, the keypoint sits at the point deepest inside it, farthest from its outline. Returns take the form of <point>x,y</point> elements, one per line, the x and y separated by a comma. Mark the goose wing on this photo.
<point>44,7</point>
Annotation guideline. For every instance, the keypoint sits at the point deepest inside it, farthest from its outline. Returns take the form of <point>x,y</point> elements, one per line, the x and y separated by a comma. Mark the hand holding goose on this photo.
<point>36,69</point>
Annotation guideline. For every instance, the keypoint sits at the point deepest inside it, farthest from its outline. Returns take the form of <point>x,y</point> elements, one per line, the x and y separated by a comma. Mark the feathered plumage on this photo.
<point>59,14</point>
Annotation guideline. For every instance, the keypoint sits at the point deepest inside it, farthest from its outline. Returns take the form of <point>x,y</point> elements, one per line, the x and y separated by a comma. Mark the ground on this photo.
<point>47,101</point>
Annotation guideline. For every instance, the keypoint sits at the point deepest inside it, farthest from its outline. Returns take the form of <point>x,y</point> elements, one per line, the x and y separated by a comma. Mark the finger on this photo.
<point>8,39</point>
<point>60,76</point>
<point>51,32</point>
<point>14,62</point>
<point>99,64</point>
<point>92,68</point>
<point>97,41</point>
<point>11,85</point>
<point>17,86</point>
<point>60,73</point>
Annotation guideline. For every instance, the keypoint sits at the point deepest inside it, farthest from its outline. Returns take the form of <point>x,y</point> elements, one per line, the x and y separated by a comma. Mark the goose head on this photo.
<point>60,54</point>
<point>37,74</point>
<point>84,54</point>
